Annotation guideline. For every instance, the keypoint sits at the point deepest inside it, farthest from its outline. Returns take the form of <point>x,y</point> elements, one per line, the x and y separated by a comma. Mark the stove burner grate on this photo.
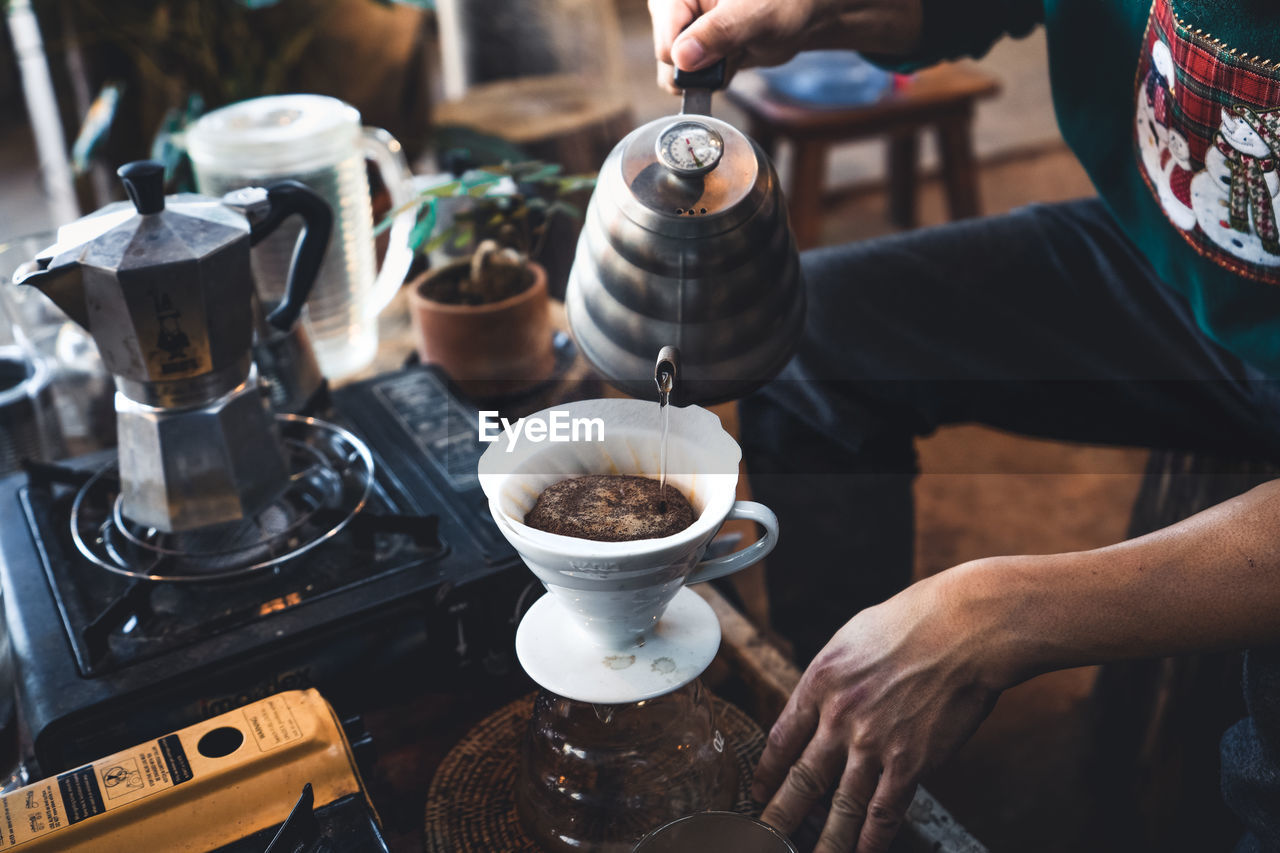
<point>331,480</point>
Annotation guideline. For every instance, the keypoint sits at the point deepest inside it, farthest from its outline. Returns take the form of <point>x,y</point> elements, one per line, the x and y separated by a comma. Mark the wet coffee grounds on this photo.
<point>610,508</point>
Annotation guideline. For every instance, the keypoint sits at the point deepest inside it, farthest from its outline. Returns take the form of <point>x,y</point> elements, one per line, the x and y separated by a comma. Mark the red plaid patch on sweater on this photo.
<point>1208,137</point>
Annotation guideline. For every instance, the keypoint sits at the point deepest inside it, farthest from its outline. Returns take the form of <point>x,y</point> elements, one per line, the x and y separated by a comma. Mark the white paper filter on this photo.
<point>702,462</point>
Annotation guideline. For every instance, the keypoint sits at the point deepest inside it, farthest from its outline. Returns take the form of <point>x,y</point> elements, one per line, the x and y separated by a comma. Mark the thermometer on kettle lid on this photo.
<point>691,147</point>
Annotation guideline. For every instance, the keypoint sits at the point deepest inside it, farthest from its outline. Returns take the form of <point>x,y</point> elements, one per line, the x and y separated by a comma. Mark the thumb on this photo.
<point>716,34</point>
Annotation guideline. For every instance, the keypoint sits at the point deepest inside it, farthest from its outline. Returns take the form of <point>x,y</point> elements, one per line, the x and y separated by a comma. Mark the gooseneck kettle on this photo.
<point>686,243</point>
<point>164,287</point>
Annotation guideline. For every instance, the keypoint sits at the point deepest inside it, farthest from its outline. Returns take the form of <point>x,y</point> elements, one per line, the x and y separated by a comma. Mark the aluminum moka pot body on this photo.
<point>704,262</point>
<point>164,285</point>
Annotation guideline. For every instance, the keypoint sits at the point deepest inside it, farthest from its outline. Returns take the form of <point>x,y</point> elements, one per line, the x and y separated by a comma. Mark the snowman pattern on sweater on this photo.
<point>1207,133</point>
<point>1179,174</point>
<point>1234,198</point>
<point>1152,130</point>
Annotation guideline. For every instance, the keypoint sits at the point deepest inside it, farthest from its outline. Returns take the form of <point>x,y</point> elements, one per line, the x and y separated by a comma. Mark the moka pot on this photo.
<point>164,287</point>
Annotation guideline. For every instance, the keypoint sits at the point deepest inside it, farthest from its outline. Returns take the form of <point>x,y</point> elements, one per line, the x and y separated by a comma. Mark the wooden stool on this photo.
<point>942,97</point>
<point>560,118</point>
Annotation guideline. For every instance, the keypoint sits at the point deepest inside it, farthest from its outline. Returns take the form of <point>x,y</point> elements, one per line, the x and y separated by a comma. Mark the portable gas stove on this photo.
<point>360,585</point>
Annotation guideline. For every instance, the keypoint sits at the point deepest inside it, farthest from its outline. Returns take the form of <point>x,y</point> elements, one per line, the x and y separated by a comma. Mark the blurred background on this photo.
<point>562,80</point>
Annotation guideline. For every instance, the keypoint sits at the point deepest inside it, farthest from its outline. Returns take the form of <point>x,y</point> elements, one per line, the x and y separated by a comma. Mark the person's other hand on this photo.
<point>693,34</point>
<point>898,689</point>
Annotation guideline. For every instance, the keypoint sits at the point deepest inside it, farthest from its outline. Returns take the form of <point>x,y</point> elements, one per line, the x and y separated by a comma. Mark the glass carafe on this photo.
<point>598,777</point>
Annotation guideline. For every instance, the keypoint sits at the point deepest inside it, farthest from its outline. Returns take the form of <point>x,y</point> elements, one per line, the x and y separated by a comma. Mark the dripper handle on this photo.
<point>718,567</point>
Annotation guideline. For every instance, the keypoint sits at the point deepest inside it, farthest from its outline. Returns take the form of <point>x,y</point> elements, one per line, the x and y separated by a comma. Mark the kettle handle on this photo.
<point>711,77</point>
<point>285,199</point>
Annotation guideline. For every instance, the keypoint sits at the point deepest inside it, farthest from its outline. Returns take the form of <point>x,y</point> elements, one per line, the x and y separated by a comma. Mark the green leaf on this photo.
<point>435,242</point>
<point>96,127</point>
<point>463,237</point>
<point>423,228</point>
<point>392,215</point>
<point>565,208</point>
<point>444,190</point>
<point>479,187</point>
<point>542,173</point>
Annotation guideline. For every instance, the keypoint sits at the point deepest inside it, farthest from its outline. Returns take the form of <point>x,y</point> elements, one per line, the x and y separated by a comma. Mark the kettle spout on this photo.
<point>62,283</point>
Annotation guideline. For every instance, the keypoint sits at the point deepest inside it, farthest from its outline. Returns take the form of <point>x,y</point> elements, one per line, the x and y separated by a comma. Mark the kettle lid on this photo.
<point>688,176</point>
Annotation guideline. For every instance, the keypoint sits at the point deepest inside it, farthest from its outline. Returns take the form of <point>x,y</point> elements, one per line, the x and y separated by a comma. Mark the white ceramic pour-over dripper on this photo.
<point>619,625</point>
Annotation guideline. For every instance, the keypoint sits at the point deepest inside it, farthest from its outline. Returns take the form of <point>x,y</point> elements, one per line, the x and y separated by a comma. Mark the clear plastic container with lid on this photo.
<point>319,141</point>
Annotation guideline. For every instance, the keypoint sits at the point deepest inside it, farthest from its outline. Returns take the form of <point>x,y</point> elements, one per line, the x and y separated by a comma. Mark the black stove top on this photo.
<point>113,622</point>
<point>420,585</point>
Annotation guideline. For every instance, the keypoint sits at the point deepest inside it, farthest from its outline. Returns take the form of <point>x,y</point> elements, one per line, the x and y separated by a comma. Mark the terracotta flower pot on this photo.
<point>490,350</point>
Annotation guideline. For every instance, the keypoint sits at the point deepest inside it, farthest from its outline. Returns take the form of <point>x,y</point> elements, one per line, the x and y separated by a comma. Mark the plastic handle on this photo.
<point>285,199</point>
<point>144,181</point>
<point>718,567</point>
<point>388,154</point>
<point>711,77</point>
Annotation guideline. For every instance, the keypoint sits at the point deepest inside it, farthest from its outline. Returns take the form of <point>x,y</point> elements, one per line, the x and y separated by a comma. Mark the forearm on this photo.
<point>1210,582</point>
<point>952,29</point>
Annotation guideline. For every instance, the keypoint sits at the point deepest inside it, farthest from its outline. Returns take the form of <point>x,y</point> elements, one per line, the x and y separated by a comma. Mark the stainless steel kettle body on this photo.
<point>690,248</point>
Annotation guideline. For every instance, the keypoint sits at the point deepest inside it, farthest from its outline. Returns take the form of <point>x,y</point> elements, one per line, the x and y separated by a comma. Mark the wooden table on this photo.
<point>941,98</point>
<point>748,657</point>
<point>412,736</point>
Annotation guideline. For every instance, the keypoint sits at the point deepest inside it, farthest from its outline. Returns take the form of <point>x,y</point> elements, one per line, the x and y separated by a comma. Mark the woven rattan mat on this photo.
<point>471,806</point>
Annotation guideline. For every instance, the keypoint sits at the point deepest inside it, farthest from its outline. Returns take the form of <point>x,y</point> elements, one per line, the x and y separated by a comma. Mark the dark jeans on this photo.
<point>1046,321</point>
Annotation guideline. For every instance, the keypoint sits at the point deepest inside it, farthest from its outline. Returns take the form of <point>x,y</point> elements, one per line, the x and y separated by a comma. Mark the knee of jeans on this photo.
<point>778,438</point>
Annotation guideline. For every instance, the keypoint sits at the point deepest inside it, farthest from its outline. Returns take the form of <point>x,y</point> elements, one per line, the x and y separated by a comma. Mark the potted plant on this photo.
<point>485,317</point>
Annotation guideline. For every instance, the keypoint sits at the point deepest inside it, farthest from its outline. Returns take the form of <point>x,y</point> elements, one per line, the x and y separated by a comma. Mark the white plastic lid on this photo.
<point>275,135</point>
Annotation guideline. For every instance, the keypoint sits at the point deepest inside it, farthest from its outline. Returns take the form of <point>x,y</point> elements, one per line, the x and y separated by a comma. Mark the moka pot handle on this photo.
<point>286,198</point>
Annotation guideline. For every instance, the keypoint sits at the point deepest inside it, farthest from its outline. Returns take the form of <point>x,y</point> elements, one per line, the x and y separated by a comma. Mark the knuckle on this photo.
<point>893,755</point>
<point>781,818</point>
<point>837,841</point>
<point>806,781</point>
<point>842,705</point>
<point>717,31</point>
<point>861,740</point>
<point>844,804</point>
<point>778,736</point>
<point>883,816</point>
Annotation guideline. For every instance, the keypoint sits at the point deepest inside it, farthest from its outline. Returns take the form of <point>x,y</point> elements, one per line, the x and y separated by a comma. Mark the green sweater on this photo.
<point>1174,110</point>
<point>1140,98</point>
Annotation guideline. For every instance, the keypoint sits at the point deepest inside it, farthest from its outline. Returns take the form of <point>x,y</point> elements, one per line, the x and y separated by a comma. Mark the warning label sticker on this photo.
<point>31,812</point>
<point>79,794</point>
<point>272,723</point>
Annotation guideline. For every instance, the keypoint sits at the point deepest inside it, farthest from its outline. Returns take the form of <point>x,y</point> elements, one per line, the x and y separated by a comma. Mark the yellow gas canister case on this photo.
<point>192,791</point>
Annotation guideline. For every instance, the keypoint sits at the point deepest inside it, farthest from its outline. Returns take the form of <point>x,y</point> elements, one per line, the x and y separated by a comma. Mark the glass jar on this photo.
<point>598,777</point>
